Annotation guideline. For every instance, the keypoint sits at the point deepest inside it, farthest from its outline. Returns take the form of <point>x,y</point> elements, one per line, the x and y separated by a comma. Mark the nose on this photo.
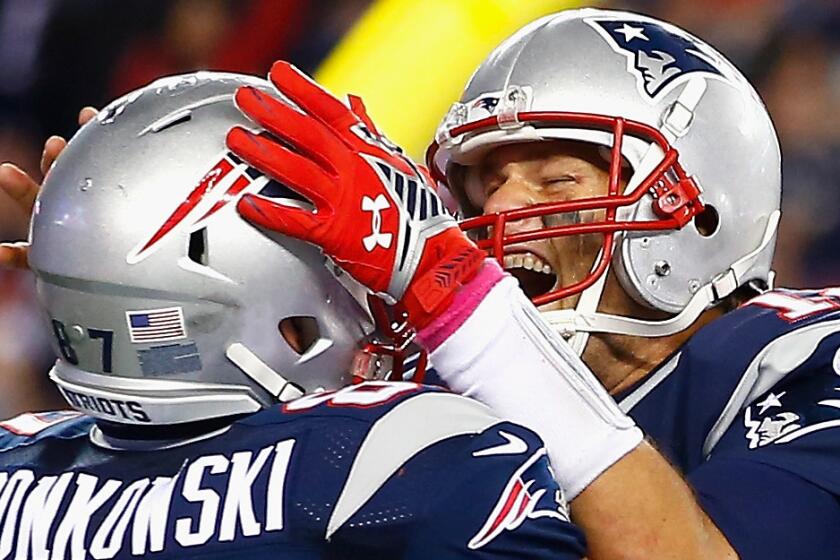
<point>513,194</point>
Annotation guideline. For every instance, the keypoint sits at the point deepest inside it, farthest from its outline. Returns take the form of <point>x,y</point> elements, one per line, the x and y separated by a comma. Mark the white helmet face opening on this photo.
<point>691,201</point>
<point>166,306</point>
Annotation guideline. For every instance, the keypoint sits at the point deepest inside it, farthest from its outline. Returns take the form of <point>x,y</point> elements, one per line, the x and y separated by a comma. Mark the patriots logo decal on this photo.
<point>779,418</point>
<point>661,57</point>
<point>524,497</point>
<point>489,104</point>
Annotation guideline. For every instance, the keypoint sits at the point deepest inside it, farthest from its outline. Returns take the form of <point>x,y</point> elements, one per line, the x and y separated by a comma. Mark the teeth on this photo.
<point>527,261</point>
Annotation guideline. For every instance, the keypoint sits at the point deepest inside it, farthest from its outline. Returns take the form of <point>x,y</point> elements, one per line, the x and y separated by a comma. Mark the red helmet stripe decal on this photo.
<point>238,186</point>
<point>219,171</point>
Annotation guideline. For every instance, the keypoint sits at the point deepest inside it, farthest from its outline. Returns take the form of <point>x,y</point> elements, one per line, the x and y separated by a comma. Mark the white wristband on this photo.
<point>507,357</point>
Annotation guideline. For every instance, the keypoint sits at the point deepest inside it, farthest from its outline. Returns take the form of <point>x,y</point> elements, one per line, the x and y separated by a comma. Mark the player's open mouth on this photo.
<point>536,277</point>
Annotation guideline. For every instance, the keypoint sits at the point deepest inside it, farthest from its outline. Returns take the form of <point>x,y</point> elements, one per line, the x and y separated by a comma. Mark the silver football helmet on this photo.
<point>166,306</point>
<point>699,214</point>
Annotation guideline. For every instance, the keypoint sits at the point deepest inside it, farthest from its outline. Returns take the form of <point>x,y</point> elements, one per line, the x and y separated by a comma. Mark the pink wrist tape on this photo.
<point>466,301</point>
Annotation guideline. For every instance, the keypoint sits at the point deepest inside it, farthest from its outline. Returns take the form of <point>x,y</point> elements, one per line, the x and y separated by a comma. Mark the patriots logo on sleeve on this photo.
<point>523,498</point>
<point>660,57</point>
<point>781,417</point>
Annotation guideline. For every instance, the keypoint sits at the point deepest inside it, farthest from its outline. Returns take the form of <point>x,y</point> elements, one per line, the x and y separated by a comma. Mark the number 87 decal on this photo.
<point>65,345</point>
<point>795,306</point>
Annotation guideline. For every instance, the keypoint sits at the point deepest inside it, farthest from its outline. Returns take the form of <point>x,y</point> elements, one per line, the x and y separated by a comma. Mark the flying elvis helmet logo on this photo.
<point>660,56</point>
<point>488,103</point>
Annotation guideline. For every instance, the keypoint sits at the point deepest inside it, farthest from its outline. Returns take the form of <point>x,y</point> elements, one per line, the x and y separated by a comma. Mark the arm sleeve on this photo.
<point>768,513</point>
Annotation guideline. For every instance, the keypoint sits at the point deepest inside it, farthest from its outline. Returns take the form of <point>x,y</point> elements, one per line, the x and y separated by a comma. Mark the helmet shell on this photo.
<point>146,293</point>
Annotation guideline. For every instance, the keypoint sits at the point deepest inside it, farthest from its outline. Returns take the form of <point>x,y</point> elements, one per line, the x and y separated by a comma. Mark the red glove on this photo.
<point>376,213</point>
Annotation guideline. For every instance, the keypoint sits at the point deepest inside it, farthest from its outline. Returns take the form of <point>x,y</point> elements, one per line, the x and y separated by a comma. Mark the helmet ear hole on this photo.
<point>197,248</point>
<point>707,221</point>
<point>300,333</point>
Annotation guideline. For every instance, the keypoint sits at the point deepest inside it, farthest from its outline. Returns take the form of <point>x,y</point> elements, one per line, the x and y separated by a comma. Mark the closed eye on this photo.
<point>560,179</point>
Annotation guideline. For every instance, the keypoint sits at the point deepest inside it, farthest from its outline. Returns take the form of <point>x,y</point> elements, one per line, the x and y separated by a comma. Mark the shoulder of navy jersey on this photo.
<point>392,422</point>
<point>294,480</point>
<point>400,449</point>
<point>777,340</point>
<point>365,402</point>
<point>489,494</point>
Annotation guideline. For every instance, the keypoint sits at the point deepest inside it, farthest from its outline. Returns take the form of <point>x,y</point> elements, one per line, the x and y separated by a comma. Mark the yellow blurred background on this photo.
<point>409,74</point>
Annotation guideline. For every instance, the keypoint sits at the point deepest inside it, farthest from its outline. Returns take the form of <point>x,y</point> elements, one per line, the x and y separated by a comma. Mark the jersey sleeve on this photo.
<point>768,513</point>
<point>491,495</point>
<point>773,481</point>
<point>31,427</point>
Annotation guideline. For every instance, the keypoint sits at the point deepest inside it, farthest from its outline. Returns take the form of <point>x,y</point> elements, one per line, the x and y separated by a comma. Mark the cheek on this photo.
<point>576,255</point>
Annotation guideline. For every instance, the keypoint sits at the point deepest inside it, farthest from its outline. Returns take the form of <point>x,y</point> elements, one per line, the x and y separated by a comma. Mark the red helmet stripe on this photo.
<point>219,171</point>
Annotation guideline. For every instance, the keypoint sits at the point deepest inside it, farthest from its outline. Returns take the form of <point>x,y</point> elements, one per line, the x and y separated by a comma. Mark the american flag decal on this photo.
<point>156,325</point>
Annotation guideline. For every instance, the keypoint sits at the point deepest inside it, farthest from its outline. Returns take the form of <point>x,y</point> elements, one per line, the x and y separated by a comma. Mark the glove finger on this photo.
<point>294,222</point>
<point>311,97</point>
<point>305,133</point>
<point>284,165</point>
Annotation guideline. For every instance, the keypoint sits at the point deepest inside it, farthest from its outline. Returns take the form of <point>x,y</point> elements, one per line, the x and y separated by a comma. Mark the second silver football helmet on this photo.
<point>166,306</point>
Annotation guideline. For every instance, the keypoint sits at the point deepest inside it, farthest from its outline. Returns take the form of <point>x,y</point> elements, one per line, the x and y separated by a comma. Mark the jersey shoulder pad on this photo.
<point>794,426</point>
<point>776,340</point>
<point>379,425</point>
<point>786,334</point>
<point>769,342</point>
<point>31,427</point>
<point>763,319</point>
<point>488,493</point>
<point>404,429</point>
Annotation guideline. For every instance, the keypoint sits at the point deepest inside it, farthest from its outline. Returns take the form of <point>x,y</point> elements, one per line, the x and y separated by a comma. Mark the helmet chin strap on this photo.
<point>580,321</point>
<point>564,320</point>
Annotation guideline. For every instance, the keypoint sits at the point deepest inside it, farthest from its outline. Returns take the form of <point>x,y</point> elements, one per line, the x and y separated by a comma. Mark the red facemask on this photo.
<point>675,196</point>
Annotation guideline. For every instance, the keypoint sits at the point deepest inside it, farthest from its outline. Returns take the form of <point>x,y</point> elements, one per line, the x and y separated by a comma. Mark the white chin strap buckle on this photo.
<point>566,323</point>
<point>563,321</point>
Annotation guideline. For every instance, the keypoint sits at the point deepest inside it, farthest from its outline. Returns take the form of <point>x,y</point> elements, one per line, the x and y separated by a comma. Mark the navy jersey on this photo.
<point>749,410</point>
<point>378,470</point>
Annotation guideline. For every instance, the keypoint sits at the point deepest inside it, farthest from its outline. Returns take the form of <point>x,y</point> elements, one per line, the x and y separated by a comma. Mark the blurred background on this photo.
<point>59,55</point>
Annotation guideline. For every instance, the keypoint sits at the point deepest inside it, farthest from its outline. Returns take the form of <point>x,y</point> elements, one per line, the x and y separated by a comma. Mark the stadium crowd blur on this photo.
<point>59,55</point>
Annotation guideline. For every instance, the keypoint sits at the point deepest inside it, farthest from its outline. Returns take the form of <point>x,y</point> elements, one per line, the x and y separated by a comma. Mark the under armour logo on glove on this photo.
<point>376,206</point>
